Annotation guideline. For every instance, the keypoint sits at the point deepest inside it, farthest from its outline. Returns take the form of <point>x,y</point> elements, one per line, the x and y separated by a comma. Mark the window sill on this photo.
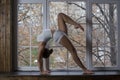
<point>61,73</point>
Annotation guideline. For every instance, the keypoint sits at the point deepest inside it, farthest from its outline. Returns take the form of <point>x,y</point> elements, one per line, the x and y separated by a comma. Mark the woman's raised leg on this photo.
<point>68,45</point>
<point>63,19</point>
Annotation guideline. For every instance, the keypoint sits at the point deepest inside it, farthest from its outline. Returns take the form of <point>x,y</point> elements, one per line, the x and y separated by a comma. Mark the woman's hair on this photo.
<point>47,53</point>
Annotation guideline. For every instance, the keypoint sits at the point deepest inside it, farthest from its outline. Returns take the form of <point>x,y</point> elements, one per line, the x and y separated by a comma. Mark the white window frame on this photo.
<point>89,34</point>
<point>43,2</point>
<point>88,28</point>
<point>48,24</point>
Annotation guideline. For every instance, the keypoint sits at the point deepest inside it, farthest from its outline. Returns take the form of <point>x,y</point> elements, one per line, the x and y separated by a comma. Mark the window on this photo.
<point>97,47</point>
<point>105,35</point>
<point>104,39</point>
<point>30,24</point>
<point>61,57</point>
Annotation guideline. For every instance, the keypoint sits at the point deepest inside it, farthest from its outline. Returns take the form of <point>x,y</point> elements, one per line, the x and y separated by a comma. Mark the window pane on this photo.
<point>23,56</point>
<point>58,58</point>
<point>81,54</point>
<point>77,11</point>
<point>34,56</point>
<point>29,26</point>
<point>104,35</point>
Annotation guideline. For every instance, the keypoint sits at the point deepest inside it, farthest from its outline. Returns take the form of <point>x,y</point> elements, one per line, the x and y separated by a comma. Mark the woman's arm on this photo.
<point>40,54</point>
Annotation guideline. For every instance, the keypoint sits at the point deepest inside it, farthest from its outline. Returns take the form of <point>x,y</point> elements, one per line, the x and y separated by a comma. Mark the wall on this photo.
<point>5,36</point>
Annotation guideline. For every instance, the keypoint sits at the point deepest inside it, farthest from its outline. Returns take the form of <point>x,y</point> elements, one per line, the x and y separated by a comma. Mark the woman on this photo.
<point>60,36</point>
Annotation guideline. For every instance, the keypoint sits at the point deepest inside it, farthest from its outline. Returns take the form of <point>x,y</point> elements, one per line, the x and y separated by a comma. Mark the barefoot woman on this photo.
<point>60,36</point>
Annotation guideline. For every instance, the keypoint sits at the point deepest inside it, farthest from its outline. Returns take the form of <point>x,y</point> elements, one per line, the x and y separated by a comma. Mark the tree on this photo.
<point>30,25</point>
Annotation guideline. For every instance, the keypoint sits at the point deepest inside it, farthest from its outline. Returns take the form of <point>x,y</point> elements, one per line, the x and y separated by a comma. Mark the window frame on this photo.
<point>88,29</point>
<point>43,2</point>
<point>89,34</point>
<point>48,24</point>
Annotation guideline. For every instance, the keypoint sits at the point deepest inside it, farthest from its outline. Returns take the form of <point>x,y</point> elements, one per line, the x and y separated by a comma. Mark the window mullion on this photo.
<point>45,14</point>
<point>89,34</point>
<point>45,26</point>
<point>118,33</point>
<point>31,1</point>
<point>105,1</point>
<point>65,0</point>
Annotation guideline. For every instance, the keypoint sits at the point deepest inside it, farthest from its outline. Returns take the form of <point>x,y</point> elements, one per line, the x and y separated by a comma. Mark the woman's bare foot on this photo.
<point>79,26</point>
<point>88,72</point>
<point>45,72</point>
<point>48,71</point>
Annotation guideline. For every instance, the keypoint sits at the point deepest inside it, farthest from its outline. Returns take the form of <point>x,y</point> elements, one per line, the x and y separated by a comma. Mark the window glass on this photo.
<point>104,35</point>
<point>30,21</point>
<point>77,11</point>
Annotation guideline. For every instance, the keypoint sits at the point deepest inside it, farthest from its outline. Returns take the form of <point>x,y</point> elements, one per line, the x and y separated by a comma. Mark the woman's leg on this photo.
<point>63,19</point>
<point>61,23</point>
<point>67,44</point>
